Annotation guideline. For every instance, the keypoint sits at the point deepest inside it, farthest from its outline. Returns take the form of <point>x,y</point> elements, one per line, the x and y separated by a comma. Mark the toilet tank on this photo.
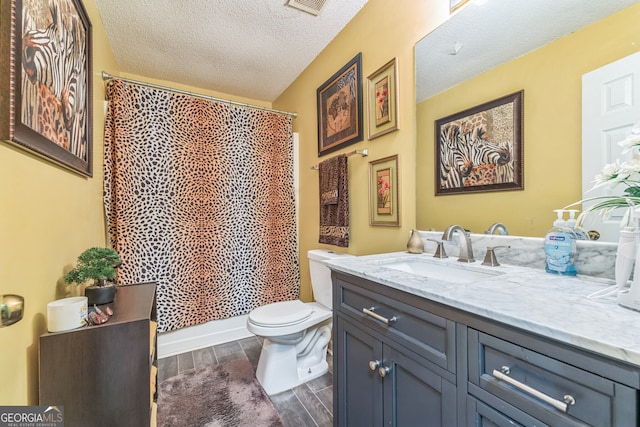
<point>321,274</point>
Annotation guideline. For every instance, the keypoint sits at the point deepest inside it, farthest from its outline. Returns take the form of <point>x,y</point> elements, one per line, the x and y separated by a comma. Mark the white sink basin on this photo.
<point>452,273</point>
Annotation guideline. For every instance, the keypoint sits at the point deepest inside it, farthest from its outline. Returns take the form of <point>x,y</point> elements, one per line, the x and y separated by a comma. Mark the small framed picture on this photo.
<point>340,108</point>
<point>382,95</point>
<point>384,198</point>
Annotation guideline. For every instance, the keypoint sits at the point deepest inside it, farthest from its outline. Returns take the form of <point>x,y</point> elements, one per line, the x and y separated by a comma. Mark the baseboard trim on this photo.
<point>202,336</point>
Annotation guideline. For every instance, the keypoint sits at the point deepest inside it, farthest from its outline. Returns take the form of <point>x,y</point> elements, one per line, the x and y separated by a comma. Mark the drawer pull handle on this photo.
<point>370,312</point>
<point>561,406</point>
<point>374,364</point>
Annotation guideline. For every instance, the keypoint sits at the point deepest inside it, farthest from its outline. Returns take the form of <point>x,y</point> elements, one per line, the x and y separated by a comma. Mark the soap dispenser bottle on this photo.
<point>560,248</point>
<point>627,249</point>
<point>572,224</point>
<point>626,255</point>
<point>629,298</point>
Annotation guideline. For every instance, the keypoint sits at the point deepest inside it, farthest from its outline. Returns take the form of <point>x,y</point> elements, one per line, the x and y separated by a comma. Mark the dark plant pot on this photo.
<point>99,295</point>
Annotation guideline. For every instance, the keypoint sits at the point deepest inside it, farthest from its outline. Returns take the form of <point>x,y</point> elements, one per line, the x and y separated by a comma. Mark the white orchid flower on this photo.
<point>613,174</point>
<point>608,174</point>
<point>630,166</point>
<point>630,142</point>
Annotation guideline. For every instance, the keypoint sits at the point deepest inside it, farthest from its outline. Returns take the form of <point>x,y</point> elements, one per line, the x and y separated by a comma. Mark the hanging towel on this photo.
<point>334,201</point>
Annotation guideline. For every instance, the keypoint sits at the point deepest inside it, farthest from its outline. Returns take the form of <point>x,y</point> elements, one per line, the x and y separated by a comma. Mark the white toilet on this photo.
<point>296,334</point>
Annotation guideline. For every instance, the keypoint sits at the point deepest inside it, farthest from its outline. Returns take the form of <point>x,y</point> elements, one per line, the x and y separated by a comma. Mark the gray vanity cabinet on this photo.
<point>384,374</point>
<point>402,360</point>
<point>537,382</point>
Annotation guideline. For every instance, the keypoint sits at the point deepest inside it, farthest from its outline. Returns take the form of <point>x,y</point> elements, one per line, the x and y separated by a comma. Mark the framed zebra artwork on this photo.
<point>45,105</point>
<point>481,149</point>
<point>340,108</point>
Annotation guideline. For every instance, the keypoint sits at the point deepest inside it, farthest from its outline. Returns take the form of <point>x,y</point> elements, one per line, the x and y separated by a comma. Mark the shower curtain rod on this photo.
<point>107,76</point>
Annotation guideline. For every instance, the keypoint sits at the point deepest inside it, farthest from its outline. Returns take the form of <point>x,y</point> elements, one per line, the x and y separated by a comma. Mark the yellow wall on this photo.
<point>382,30</point>
<point>49,215</point>
<point>551,79</point>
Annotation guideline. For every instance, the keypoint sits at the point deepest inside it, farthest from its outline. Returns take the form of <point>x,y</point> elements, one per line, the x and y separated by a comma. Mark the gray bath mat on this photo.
<point>222,395</point>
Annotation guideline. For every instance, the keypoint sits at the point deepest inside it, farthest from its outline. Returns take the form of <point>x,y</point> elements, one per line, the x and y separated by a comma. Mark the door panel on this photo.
<point>414,395</point>
<point>610,107</point>
<point>359,395</point>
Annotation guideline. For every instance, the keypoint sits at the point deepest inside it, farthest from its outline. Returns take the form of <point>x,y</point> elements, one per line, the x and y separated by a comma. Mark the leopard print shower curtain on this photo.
<point>199,198</point>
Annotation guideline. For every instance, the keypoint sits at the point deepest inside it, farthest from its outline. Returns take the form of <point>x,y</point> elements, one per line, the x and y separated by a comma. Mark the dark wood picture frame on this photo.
<point>49,117</point>
<point>481,149</point>
<point>339,103</point>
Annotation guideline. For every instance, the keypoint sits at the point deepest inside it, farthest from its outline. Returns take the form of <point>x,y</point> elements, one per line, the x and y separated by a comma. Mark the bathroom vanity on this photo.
<point>502,346</point>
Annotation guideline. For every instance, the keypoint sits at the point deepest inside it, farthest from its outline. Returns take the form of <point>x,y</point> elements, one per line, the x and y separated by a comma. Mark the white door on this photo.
<point>610,108</point>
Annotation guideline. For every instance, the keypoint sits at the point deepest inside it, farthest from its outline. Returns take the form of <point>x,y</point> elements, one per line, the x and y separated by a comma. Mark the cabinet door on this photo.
<point>358,388</point>
<point>413,394</point>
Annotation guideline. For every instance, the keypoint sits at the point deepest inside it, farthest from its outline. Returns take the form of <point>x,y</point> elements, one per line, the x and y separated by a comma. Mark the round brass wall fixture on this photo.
<point>11,309</point>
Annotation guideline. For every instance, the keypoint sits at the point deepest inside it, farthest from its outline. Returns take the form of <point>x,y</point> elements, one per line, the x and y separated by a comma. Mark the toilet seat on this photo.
<point>279,314</point>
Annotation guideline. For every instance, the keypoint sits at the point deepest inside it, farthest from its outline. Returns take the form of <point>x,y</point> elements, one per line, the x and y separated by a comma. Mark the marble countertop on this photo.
<point>550,305</point>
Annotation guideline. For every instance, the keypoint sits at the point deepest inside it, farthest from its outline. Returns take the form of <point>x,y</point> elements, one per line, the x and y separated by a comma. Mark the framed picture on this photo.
<point>480,149</point>
<point>340,108</point>
<point>456,4</point>
<point>46,105</point>
<point>384,198</point>
<point>382,95</point>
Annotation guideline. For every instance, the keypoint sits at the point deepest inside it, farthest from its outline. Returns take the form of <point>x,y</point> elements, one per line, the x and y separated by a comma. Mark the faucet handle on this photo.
<point>440,252</point>
<point>490,257</point>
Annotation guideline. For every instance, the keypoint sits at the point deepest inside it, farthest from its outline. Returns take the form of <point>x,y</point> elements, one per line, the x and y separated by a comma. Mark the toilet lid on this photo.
<point>283,313</point>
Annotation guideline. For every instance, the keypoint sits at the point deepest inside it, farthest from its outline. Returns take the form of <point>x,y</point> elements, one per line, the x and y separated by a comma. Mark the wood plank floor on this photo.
<point>310,404</point>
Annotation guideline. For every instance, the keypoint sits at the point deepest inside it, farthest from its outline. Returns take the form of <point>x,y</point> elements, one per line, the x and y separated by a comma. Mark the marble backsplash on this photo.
<point>595,259</point>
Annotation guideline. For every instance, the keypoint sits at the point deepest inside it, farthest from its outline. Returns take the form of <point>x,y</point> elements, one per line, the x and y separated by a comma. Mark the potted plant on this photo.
<point>97,268</point>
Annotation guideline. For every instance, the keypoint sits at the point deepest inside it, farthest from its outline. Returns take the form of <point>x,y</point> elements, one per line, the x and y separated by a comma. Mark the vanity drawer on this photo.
<point>429,335</point>
<point>543,387</point>
<point>480,414</point>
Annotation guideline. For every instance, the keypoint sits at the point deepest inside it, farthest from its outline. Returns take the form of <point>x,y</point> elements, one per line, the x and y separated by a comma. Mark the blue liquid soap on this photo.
<point>560,248</point>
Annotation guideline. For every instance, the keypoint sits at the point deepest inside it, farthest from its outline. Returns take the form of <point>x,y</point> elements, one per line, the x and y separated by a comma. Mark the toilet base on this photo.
<point>284,366</point>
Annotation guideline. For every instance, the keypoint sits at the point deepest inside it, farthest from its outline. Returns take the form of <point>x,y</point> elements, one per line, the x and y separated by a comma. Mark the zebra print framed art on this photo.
<point>481,149</point>
<point>340,108</point>
<point>47,106</point>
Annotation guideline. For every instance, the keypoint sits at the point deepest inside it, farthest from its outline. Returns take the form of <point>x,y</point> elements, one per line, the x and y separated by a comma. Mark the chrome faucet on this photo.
<point>466,251</point>
<point>502,230</point>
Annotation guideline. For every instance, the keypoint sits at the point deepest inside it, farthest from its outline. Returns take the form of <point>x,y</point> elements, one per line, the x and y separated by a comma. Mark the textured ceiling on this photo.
<point>248,48</point>
<point>492,32</point>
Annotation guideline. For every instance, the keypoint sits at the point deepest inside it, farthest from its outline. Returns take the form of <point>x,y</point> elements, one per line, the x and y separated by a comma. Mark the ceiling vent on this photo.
<point>313,7</point>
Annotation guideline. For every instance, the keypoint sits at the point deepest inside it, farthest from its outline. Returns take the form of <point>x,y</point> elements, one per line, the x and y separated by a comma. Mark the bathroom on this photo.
<point>50,215</point>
